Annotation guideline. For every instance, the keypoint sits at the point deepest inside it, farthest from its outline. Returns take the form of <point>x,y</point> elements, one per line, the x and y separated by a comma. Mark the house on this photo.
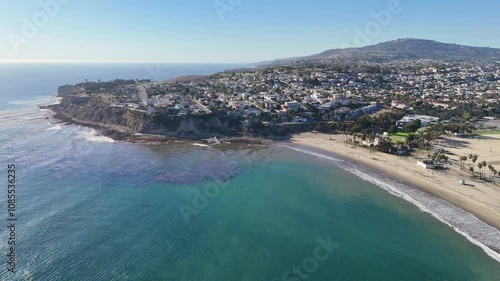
<point>370,109</point>
<point>440,104</point>
<point>326,106</point>
<point>424,120</point>
<point>291,106</point>
<point>375,142</point>
<point>401,105</point>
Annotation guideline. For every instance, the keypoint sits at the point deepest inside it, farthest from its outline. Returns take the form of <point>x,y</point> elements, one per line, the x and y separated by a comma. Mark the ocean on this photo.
<point>90,208</point>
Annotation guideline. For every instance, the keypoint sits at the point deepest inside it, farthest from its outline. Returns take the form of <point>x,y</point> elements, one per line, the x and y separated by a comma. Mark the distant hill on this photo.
<point>404,49</point>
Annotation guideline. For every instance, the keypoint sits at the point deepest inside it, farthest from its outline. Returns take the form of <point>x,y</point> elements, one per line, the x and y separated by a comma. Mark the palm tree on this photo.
<point>480,166</point>
<point>474,159</point>
<point>484,167</point>
<point>463,159</point>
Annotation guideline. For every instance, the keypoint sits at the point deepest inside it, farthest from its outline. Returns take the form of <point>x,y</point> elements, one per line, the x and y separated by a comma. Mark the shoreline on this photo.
<point>402,170</point>
<point>475,214</point>
<point>122,133</point>
<point>360,155</point>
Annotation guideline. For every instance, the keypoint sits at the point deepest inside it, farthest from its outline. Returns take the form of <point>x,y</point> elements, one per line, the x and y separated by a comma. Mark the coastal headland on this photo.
<point>321,107</point>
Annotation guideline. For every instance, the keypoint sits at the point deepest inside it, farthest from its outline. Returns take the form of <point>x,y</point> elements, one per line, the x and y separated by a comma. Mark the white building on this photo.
<point>424,120</point>
<point>427,164</point>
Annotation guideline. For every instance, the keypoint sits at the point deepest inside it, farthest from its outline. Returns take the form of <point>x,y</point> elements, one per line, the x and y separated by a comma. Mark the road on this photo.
<point>142,94</point>
<point>202,106</point>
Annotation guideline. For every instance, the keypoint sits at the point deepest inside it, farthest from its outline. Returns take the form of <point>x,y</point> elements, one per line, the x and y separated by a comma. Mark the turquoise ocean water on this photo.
<point>92,209</point>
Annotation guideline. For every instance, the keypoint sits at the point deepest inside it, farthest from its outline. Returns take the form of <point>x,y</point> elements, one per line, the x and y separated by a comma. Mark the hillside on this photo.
<point>404,49</point>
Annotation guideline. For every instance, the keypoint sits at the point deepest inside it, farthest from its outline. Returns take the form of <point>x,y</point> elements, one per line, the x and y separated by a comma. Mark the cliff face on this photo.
<point>98,111</point>
<point>196,125</point>
<point>209,125</point>
<point>66,90</point>
<point>214,124</point>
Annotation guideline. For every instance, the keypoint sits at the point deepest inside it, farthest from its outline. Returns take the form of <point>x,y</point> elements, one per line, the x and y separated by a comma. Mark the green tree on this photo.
<point>413,126</point>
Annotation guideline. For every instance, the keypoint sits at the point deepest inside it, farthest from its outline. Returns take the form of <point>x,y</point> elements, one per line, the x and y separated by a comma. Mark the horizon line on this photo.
<point>63,61</point>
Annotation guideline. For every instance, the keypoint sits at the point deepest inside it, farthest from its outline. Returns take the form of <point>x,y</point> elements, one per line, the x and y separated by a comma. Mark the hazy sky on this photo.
<point>230,30</point>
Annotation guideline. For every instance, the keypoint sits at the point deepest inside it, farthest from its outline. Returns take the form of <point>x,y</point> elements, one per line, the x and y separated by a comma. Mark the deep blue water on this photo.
<point>89,208</point>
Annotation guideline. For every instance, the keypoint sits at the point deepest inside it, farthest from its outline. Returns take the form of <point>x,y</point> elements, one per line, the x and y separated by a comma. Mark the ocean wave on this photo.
<point>199,144</point>
<point>92,135</point>
<point>55,128</point>
<point>21,113</point>
<point>472,228</point>
<point>40,100</point>
<point>97,138</point>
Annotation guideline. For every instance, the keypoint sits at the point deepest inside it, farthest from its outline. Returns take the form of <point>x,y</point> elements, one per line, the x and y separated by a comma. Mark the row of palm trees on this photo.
<point>481,165</point>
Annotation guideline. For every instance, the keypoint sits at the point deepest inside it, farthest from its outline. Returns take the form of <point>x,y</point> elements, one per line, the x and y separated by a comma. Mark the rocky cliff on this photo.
<point>98,111</point>
<point>195,125</point>
<point>66,90</point>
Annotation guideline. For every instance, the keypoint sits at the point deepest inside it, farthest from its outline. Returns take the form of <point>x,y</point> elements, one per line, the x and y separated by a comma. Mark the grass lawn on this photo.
<point>246,74</point>
<point>395,138</point>
<point>400,136</point>
<point>487,133</point>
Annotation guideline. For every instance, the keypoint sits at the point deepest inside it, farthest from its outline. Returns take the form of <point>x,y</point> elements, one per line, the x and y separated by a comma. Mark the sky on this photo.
<point>230,31</point>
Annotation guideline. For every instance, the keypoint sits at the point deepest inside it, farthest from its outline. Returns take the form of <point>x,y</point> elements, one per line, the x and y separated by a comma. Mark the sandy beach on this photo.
<point>477,197</point>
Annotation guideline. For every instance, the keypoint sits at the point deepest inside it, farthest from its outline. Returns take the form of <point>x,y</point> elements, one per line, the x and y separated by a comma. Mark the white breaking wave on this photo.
<point>55,128</point>
<point>92,135</point>
<point>473,229</point>
<point>44,100</point>
<point>100,139</point>
<point>199,144</point>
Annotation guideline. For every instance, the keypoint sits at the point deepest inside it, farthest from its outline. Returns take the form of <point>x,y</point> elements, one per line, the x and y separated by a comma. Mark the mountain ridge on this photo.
<point>402,49</point>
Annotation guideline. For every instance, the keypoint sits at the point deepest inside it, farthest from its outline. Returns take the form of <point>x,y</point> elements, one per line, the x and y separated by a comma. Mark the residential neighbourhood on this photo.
<point>322,93</point>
